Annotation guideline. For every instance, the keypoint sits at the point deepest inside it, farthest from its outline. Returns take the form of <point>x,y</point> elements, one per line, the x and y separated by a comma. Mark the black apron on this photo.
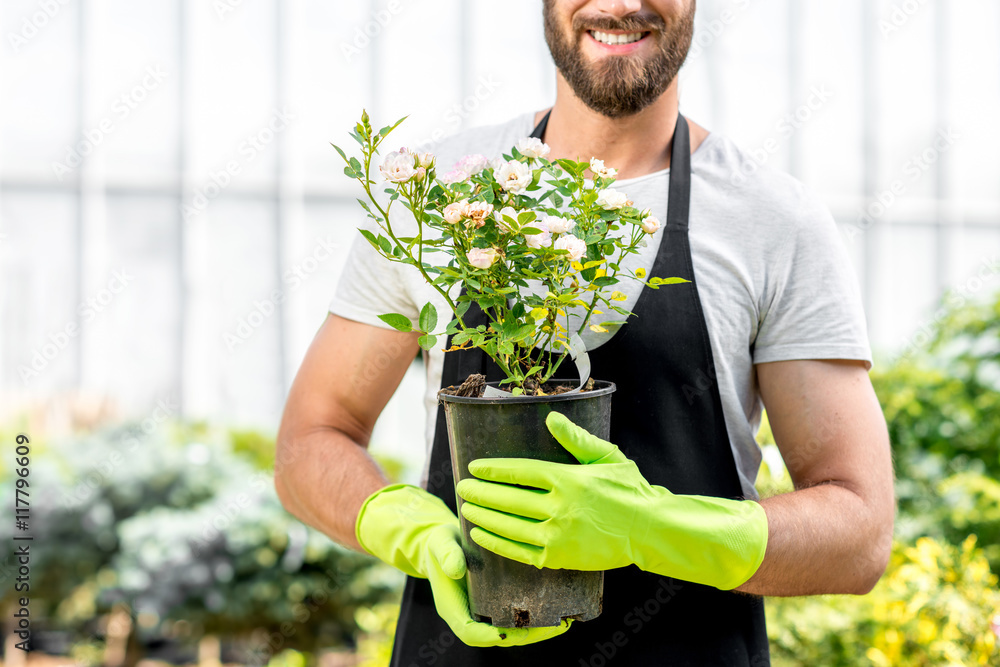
<point>667,417</point>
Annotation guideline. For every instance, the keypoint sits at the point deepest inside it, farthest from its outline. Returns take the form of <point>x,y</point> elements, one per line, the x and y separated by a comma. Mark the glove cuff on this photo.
<point>718,542</point>
<point>748,542</point>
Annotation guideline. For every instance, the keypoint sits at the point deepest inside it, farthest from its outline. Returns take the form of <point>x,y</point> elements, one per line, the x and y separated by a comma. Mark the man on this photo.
<point>771,316</point>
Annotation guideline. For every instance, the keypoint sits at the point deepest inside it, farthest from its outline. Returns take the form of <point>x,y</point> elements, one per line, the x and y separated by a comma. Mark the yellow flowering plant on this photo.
<point>495,226</point>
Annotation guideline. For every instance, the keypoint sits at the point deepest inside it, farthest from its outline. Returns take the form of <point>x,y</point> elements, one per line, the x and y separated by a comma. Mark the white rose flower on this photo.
<point>399,166</point>
<point>650,224</point>
<point>532,147</point>
<point>597,166</point>
<point>514,176</point>
<point>453,213</point>
<point>425,160</point>
<point>482,258</point>
<point>472,164</point>
<point>577,247</point>
<point>501,223</point>
<point>611,199</point>
<point>558,225</point>
<point>478,211</point>
<point>543,240</point>
<point>454,176</point>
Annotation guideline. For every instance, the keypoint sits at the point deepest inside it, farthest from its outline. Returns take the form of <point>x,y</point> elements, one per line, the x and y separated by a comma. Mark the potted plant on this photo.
<point>535,246</point>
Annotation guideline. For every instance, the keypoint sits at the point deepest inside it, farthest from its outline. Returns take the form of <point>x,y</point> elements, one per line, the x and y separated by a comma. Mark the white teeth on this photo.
<point>608,38</point>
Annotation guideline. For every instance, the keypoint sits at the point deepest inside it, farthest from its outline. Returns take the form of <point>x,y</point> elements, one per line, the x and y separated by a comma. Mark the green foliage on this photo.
<point>256,447</point>
<point>942,407</point>
<point>188,530</point>
<point>933,607</point>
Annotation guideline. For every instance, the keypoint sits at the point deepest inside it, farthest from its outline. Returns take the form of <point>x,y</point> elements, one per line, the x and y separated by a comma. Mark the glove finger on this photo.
<point>524,472</point>
<point>452,603</point>
<point>524,636</point>
<point>585,446</point>
<point>504,525</point>
<point>446,550</point>
<point>524,553</point>
<point>503,497</point>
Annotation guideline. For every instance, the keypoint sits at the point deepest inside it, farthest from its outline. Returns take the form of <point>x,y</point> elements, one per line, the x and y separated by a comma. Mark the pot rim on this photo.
<point>601,388</point>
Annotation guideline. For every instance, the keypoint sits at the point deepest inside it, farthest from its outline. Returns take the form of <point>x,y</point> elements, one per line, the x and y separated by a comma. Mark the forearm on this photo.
<point>822,539</point>
<point>323,478</point>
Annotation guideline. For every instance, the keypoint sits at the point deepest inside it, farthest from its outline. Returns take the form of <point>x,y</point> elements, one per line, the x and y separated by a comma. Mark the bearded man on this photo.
<point>771,318</point>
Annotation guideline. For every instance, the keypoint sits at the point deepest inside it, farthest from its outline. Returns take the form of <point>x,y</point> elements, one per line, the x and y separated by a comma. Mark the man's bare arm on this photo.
<point>323,472</point>
<point>833,534</point>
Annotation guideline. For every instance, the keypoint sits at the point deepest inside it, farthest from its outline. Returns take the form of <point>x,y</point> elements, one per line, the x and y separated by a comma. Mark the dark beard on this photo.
<point>620,85</point>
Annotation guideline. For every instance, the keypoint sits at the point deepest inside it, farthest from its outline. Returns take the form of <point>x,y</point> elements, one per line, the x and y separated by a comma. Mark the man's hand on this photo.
<point>415,532</point>
<point>603,514</point>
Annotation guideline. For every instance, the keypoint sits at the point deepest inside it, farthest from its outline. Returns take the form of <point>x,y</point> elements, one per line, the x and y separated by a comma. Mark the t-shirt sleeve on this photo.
<point>369,286</point>
<point>811,305</point>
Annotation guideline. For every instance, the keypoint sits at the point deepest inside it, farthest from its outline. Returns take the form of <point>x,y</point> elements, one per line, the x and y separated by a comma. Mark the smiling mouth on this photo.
<point>613,39</point>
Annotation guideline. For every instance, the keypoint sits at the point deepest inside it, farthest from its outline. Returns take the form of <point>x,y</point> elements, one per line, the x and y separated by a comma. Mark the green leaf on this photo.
<point>428,318</point>
<point>427,342</point>
<point>524,331</point>
<point>350,173</point>
<point>397,321</point>
<point>371,238</point>
<point>341,151</point>
<point>604,281</point>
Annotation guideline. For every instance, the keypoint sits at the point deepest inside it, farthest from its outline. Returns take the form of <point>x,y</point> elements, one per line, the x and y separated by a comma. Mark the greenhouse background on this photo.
<point>173,220</point>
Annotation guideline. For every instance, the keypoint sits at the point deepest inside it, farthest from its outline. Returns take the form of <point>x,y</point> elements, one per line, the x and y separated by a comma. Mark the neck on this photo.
<point>634,145</point>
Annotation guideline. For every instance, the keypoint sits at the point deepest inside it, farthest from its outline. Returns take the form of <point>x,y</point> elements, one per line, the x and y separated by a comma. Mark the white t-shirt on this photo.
<point>774,279</point>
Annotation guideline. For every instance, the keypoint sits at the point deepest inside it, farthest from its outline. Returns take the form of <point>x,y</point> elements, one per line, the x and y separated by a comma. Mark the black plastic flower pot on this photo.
<point>504,592</point>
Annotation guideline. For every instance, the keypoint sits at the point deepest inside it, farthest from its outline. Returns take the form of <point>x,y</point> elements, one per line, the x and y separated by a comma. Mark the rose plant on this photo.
<point>496,226</point>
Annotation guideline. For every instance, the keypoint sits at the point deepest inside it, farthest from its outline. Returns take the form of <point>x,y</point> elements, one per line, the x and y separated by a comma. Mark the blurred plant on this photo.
<point>379,626</point>
<point>188,530</point>
<point>934,607</point>
<point>943,412</point>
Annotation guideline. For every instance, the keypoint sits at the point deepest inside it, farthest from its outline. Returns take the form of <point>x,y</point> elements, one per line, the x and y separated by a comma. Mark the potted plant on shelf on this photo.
<point>532,248</point>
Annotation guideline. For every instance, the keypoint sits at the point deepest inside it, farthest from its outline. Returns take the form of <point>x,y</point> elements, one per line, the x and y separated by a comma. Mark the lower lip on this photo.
<point>618,48</point>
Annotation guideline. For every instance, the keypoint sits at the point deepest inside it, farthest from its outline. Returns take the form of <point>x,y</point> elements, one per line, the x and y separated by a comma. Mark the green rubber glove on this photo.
<point>414,531</point>
<point>604,514</point>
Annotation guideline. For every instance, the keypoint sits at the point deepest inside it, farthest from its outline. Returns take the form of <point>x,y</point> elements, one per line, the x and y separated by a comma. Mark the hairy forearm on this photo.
<point>822,539</point>
<point>323,477</point>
